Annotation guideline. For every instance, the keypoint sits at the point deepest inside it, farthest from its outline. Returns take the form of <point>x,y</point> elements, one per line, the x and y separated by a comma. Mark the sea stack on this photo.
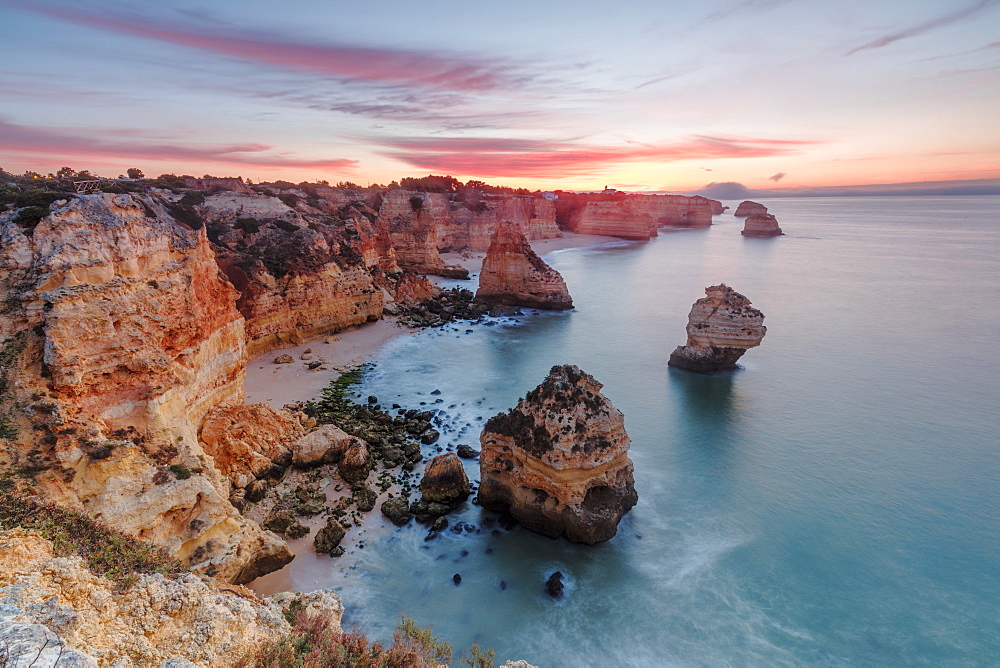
<point>513,274</point>
<point>721,327</point>
<point>748,208</point>
<point>761,225</point>
<point>558,462</point>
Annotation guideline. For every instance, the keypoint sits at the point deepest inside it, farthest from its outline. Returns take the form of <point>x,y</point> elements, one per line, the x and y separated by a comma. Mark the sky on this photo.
<point>635,95</point>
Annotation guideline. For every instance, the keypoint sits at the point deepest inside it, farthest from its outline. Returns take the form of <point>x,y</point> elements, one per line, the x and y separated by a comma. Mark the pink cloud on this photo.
<point>376,65</point>
<point>32,140</point>
<point>498,157</point>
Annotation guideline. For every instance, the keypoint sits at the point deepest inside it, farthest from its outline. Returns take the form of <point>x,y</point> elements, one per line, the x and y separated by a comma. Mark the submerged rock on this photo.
<point>554,585</point>
<point>559,460</point>
<point>721,327</point>
<point>761,225</point>
<point>513,274</point>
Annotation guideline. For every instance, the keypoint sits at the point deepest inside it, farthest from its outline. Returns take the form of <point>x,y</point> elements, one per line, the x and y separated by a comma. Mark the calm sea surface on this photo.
<point>835,502</point>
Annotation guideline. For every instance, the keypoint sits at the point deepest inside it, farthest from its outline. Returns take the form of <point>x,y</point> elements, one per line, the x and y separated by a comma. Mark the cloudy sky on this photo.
<point>665,94</point>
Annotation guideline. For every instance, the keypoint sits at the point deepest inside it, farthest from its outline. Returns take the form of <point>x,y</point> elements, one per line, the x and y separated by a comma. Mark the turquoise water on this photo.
<point>835,502</point>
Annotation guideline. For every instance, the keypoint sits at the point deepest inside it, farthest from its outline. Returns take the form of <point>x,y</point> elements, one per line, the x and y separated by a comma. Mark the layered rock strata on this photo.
<point>632,216</point>
<point>78,618</point>
<point>558,462</point>
<point>761,225</point>
<point>513,274</point>
<point>748,208</point>
<point>130,336</point>
<point>721,327</point>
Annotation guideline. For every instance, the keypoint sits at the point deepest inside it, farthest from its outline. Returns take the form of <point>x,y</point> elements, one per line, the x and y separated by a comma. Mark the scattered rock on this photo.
<point>456,578</point>
<point>328,537</point>
<point>355,462</point>
<point>467,451</point>
<point>554,585</point>
<point>284,359</point>
<point>397,510</point>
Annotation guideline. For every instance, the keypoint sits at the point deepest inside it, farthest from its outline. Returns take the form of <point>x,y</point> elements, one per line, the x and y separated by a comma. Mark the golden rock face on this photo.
<point>514,274</point>
<point>558,462</point>
<point>721,327</point>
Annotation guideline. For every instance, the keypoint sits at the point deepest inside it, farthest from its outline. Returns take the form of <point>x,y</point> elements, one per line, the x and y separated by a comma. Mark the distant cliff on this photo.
<point>632,216</point>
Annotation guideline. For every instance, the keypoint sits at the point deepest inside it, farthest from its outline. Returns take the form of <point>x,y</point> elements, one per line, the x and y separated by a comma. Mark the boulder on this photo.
<point>328,538</point>
<point>721,327</point>
<point>558,461</point>
<point>323,445</point>
<point>355,462</point>
<point>444,480</point>
<point>397,510</point>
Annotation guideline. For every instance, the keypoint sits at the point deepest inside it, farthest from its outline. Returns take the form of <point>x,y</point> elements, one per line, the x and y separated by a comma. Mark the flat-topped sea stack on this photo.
<point>558,462</point>
<point>748,208</point>
<point>761,225</point>
<point>721,327</point>
<point>513,274</point>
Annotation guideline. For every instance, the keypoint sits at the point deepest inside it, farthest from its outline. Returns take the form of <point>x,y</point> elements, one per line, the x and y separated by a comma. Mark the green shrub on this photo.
<point>38,197</point>
<point>116,556</point>
<point>285,225</point>
<point>182,472</point>
<point>248,225</point>
<point>29,217</point>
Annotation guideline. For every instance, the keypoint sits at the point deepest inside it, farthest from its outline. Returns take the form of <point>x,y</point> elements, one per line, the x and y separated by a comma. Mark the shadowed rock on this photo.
<point>444,480</point>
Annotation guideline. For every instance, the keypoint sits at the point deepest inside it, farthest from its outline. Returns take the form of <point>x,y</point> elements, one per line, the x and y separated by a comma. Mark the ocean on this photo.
<point>834,502</point>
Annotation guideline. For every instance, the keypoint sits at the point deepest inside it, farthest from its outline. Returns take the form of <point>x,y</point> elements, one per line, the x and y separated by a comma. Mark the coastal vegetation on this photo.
<point>116,556</point>
<point>316,642</point>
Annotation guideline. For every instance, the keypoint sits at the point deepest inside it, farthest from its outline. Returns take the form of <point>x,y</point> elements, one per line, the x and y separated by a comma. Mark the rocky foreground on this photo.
<point>721,327</point>
<point>558,462</point>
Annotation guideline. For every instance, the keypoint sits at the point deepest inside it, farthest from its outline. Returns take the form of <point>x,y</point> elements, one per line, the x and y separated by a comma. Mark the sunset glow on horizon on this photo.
<point>643,96</point>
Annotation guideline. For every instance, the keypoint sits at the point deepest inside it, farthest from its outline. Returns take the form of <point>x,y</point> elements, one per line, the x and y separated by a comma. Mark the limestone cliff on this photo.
<point>413,220</point>
<point>128,335</point>
<point>59,606</point>
<point>514,274</point>
<point>298,278</point>
<point>747,208</point>
<point>559,460</point>
<point>761,225</point>
<point>721,327</point>
<point>632,216</point>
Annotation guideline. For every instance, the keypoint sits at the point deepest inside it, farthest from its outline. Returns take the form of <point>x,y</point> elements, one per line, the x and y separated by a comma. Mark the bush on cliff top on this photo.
<point>116,556</point>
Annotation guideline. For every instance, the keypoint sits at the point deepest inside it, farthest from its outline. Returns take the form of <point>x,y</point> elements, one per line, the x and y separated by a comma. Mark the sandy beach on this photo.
<point>280,384</point>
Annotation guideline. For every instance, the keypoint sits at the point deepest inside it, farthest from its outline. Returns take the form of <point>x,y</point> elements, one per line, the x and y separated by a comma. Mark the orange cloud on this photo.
<point>526,158</point>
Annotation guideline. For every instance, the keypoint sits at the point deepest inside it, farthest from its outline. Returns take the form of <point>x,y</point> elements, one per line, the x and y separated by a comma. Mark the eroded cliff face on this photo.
<point>297,277</point>
<point>84,617</point>
<point>514,274</point>
<point>559,460</point>
<point>721,327</point>
<point>130,335</point>
<point>632,216</point>
<point>414,221</point>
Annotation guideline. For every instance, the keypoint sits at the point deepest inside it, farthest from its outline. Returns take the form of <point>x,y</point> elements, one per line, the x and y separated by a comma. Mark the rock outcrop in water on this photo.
<point>748,208</point>
<point>632,216</point>
<point>513,274</point>
<point>721,327</point>
<point>761,225</point>
<point>444,480</point>
<point>558,462</point>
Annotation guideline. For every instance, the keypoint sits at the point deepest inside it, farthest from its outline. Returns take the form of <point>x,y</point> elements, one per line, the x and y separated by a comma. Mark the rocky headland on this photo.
<point>513,274</point>
<point>721,327</point>
<point>558,462</point>
<point>632,216</point>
